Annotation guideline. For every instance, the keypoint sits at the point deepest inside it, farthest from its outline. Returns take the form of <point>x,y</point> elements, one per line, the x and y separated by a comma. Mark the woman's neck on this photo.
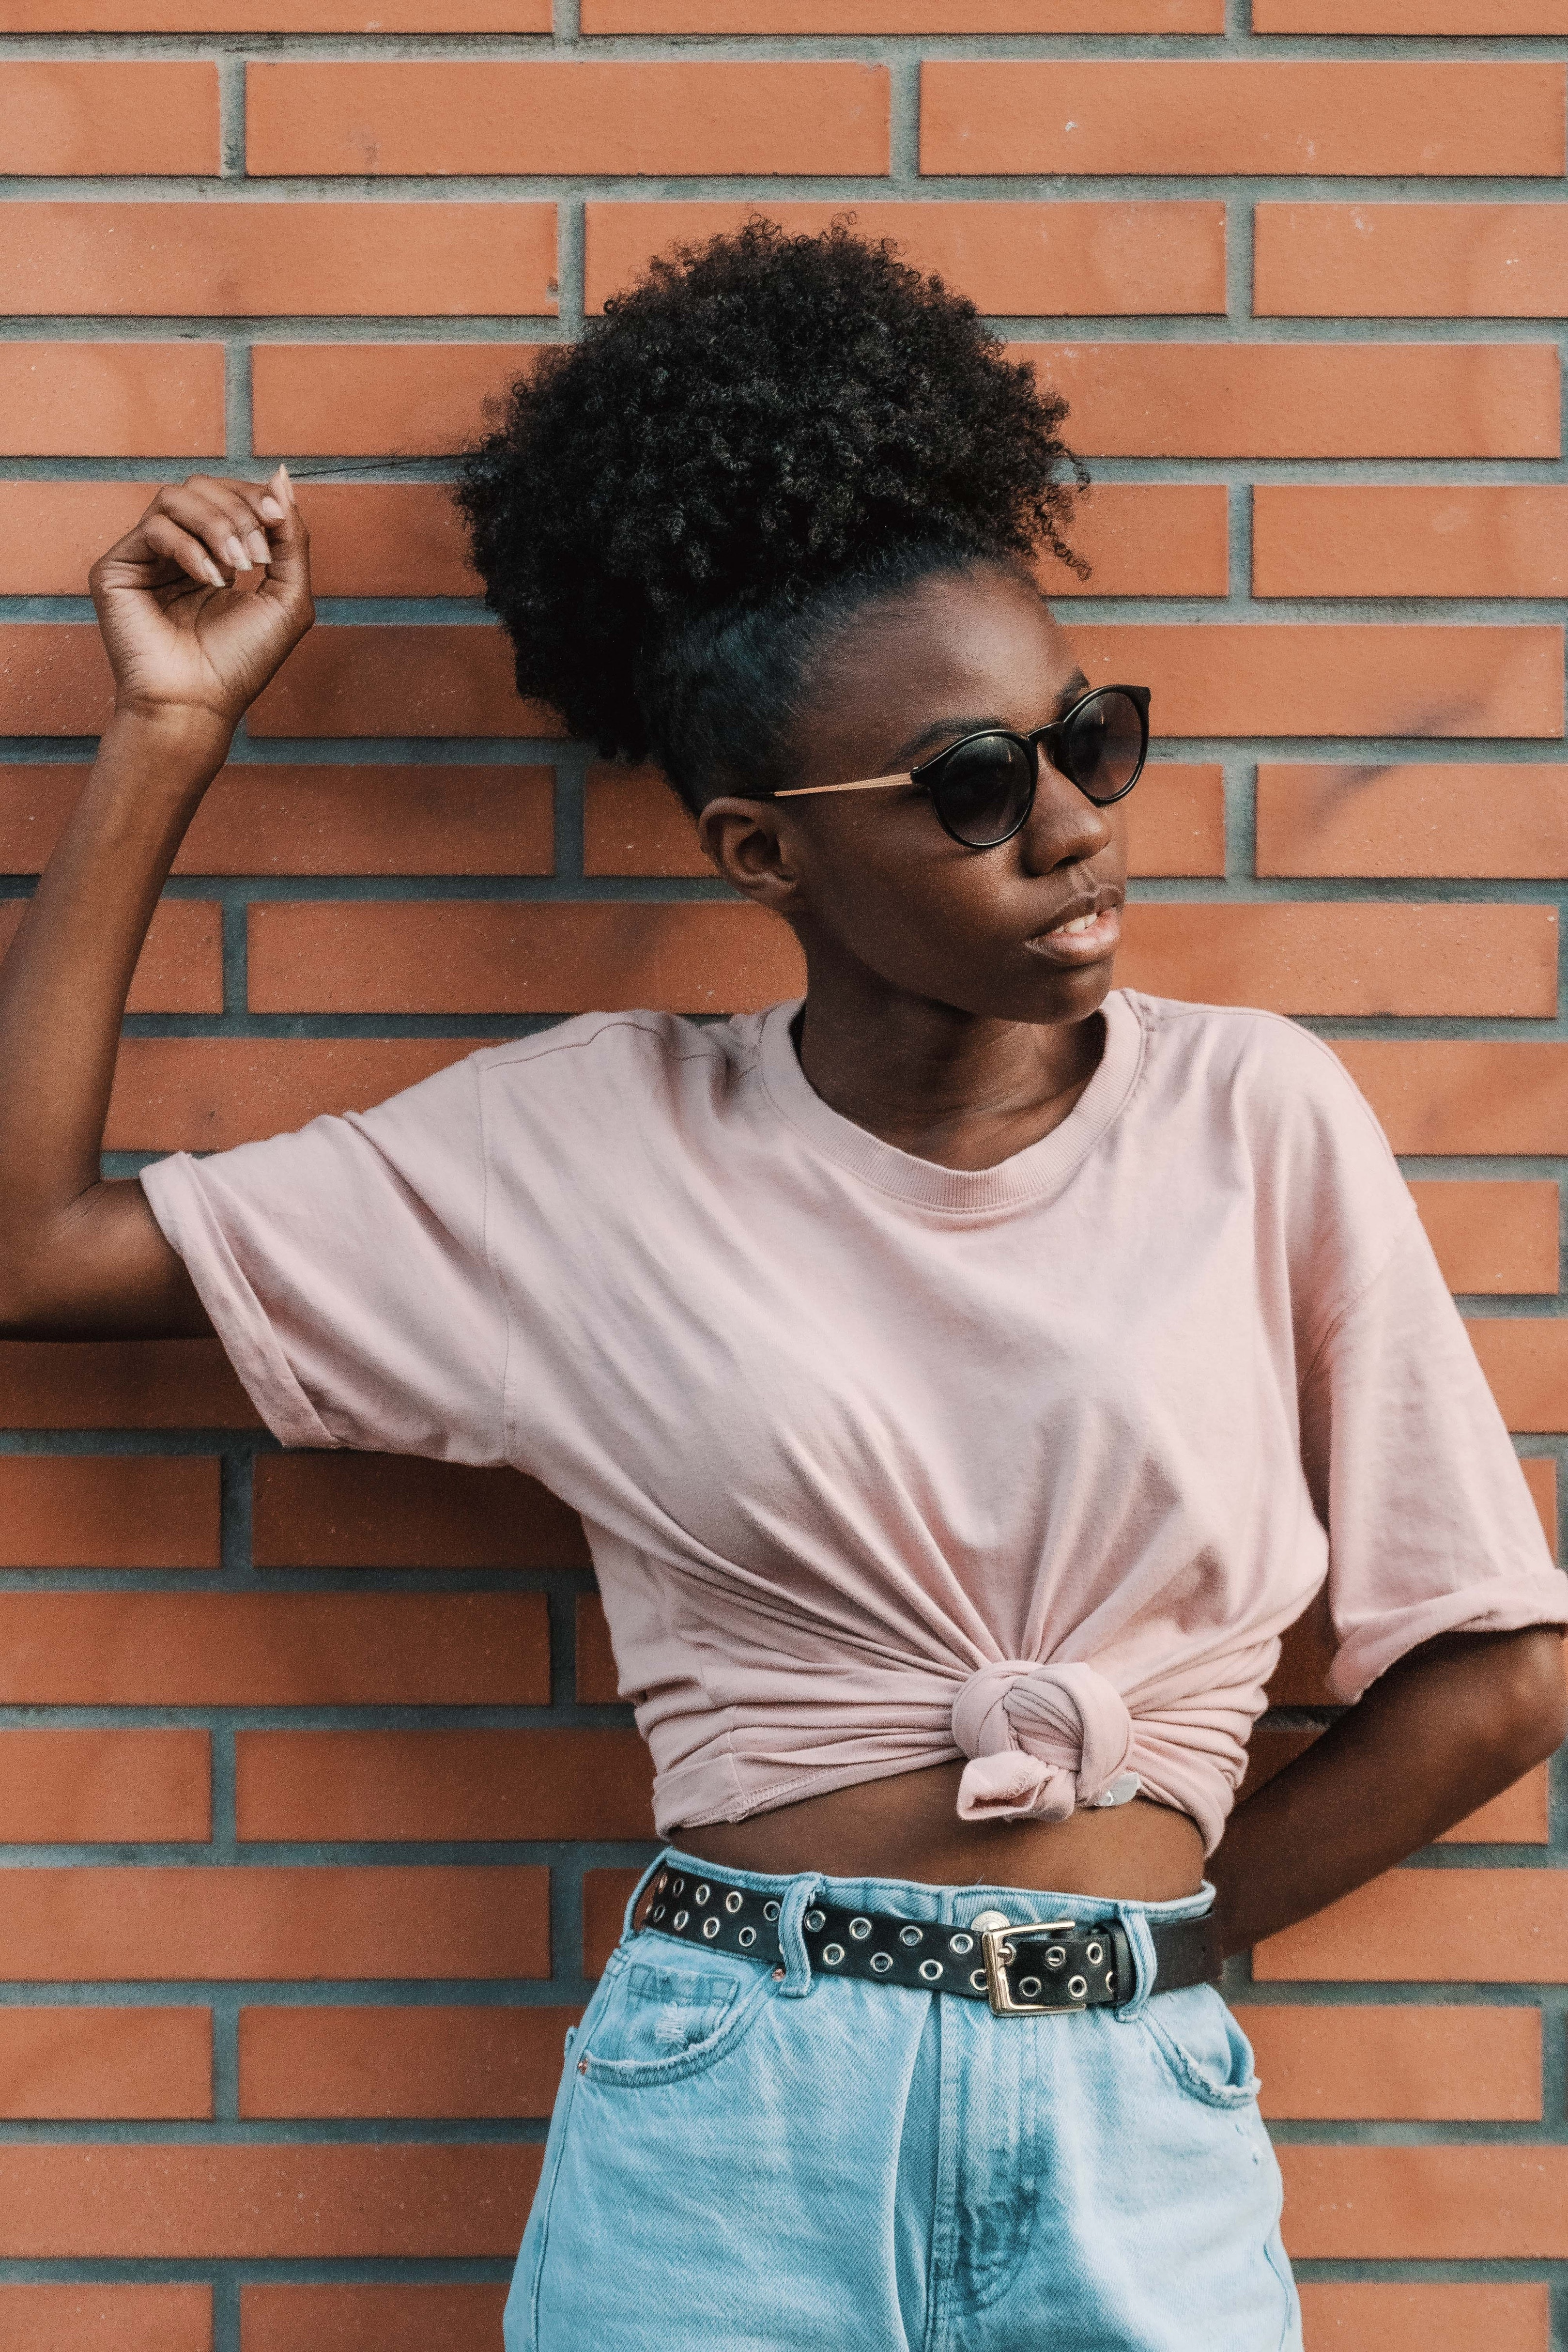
<point>946,1085</point>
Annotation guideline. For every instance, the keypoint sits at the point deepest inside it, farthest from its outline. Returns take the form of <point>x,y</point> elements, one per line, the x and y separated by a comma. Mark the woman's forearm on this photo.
<point>64,982</point>
<point>1450,1725</point>
<point>189,653</point>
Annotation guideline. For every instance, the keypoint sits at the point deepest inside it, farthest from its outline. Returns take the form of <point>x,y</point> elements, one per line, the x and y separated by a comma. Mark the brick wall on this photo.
<point>316,1804</point>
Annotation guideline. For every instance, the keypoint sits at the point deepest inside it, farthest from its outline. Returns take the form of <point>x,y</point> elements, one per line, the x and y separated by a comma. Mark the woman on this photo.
<point>964,1376</point>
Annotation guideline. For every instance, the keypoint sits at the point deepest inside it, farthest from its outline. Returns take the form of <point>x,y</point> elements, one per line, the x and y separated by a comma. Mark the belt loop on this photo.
<point>1133,1923</point>
<point>791,1942</point>
<point>638,1891</point>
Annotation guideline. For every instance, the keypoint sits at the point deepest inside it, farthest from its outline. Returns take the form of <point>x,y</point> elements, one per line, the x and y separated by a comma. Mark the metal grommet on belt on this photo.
<point>1033,1967</point>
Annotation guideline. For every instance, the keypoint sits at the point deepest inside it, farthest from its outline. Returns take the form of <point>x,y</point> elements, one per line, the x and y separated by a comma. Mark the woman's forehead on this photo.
<point>963,649</point>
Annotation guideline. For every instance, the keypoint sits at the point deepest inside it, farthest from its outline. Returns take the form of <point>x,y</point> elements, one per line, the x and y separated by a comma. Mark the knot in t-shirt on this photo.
<point>1043,1741</point>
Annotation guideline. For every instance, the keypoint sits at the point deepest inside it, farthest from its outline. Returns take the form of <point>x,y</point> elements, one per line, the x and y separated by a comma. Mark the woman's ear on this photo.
<point>747,842</point>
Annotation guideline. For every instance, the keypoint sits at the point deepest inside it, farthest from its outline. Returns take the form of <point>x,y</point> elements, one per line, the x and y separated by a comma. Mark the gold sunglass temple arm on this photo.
<point>868,785</point>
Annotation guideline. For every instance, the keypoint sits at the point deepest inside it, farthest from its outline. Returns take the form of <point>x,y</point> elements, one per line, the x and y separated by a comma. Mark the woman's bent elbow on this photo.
<point>1533,1703</point>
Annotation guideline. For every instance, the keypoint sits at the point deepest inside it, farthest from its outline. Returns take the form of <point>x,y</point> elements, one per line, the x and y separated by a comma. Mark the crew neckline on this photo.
<point>1039,1168</point>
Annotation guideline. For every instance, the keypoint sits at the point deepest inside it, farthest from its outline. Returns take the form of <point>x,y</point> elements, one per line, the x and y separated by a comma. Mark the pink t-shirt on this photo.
<point>882,1463</point>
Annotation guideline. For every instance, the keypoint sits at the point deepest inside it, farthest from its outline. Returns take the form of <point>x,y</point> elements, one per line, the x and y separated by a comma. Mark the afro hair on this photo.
<point>763,433</point>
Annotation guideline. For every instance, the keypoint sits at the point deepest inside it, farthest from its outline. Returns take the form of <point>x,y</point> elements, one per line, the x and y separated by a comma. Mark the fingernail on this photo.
<point>256,542</point>
<point>234,553</point>
<point>282,476</point>
<point>272,511</point>
<point>213,574</point>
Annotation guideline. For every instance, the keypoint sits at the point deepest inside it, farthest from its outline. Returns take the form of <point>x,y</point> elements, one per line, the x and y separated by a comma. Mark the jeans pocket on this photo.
<point>665,2020</point>
<point>1202,2046</point>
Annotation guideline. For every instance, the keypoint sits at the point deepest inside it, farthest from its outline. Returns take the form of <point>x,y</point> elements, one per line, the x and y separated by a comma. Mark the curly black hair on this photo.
<point>764,433</point>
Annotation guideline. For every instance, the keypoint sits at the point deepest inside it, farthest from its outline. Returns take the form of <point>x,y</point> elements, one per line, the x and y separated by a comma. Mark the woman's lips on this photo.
<point>1085,939</point>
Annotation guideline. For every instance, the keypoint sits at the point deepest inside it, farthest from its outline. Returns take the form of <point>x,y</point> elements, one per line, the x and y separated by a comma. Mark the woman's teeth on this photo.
<point>1079,923</point>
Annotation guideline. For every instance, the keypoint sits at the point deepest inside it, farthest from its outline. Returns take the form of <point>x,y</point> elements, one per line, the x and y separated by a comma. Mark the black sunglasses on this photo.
<point>982,786</point>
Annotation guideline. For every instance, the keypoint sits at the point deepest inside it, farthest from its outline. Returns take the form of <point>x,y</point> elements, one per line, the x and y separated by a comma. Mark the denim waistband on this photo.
<point>915,1899</point>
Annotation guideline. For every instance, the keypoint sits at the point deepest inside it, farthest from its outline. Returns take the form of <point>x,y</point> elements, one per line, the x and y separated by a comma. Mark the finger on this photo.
<point>165,538</point>
<point>250,507</point>
<point>217,520</point>
<point>288,575</point>
<point>147,546</point>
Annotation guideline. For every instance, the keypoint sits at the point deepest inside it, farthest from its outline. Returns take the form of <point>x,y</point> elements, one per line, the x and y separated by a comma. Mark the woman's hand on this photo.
<point>181,634</point>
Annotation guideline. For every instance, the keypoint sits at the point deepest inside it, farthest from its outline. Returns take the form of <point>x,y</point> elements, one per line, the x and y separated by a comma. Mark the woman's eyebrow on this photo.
<point>942,730</point>
<point>950,729</point>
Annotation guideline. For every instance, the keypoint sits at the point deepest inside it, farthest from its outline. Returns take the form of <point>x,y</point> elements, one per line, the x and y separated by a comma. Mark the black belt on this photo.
<point>1025,1968</point>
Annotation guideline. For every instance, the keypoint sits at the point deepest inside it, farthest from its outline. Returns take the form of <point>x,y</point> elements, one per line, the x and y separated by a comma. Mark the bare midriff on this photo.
<point>908,1827</point>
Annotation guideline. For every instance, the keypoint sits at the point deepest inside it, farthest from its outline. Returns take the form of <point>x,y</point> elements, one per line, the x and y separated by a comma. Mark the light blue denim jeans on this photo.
<point>745,2161</point>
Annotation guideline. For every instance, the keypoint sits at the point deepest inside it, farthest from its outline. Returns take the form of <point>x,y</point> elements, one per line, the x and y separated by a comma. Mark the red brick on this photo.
<point>180,969</point>
<point>1492,819</point>
<point>1115,259</point>
<point>605,1895</point>
<point>1373,2317</point>
<point>1409,540</point>
<point>1426,2204</point>
<point>108,1510</point>
<point>1540,1477</point>
<point>1519,1816</point>
<point>1488,16</point>
<point>562,115</point>
<point>1058,115</point>
<point>277,16</point>
<point>433,678</point>
<point>843,16</point>
<point>54,679</point>
<point>1525,1358</point>
<point>206,260</point>
<point>56,2064</point>
<point>1493,1236</point>
<point>1393,2063</point>
<point>120,1384</point>
<point>204,1094</point>
<point>367,539</point>
<point>285,1925</point>
<point>371,819</point>
<point>1434,1927</point>
<point>1348,958</point>
<point>1147,539</point>
<point>180,2201</point>
<point>416,400</point>
<point>382,1510</point>
<point>598,1684</point>
<point>1175,820</point>
<point>279,819</point>
<point>634,825</point>
<point>1410,261</point>
<point>294,1786</point>
<point>401,2062</point>
<point>1448,1095</point>
<point>1305,400</point>
<point>111,400</point>
<point>101,2318</point>
<point>1335,677</point>
<point>274,1649</point>
<point>61,117</point>
<point>501,956</point>
<point>100,1787</point>
<point>408,2317</point>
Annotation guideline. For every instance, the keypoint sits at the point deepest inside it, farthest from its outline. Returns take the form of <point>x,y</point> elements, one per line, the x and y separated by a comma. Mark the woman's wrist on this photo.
<point>178,747</point>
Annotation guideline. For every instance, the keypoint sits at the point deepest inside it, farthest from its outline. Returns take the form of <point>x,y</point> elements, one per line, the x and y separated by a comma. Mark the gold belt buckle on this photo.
<point>997,1938</point>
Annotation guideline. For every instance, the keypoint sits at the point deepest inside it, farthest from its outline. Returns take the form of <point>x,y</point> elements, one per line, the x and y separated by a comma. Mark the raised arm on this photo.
<point>190,651</point>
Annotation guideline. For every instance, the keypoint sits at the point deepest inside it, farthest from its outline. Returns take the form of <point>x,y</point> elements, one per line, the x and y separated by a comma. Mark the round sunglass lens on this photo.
<point>1104,744</point>
<point>983,792</point>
